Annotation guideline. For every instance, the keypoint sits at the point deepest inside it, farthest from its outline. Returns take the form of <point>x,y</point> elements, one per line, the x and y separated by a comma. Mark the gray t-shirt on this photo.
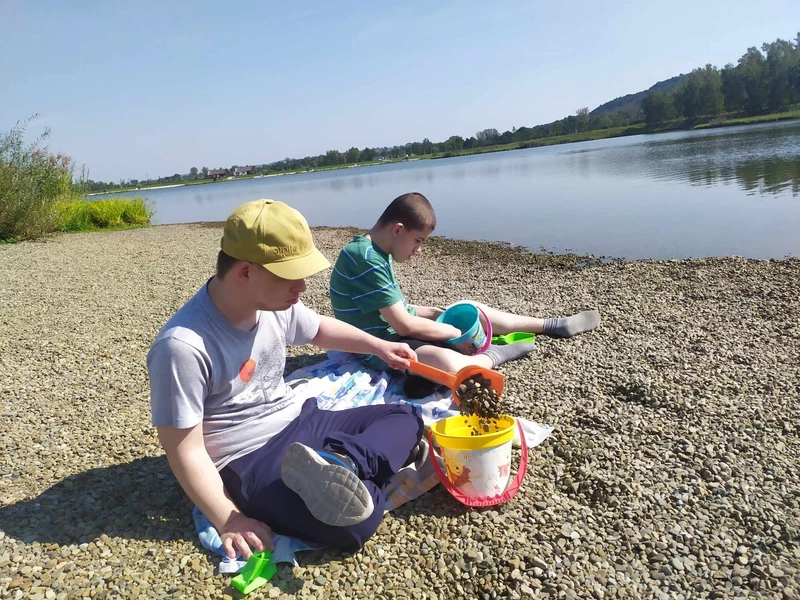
<point>204,369</point>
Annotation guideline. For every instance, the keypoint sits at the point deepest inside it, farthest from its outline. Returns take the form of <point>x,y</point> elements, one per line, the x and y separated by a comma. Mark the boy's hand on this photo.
<point>436,311</point>
<point>429,312</point>
<point>396,354</point>
<point>241,532</point>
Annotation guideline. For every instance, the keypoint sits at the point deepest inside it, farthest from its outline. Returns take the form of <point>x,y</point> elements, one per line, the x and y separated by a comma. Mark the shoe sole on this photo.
<point>423,454</point>
<point>333,494</point>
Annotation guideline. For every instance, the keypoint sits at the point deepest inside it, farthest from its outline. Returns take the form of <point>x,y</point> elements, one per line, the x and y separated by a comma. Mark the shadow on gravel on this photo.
<point>302,360</point>
<point>435,503</point>
<point>137,500</point>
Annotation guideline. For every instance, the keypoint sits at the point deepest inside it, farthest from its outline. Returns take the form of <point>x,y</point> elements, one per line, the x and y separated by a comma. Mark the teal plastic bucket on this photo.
<point>466,318</point>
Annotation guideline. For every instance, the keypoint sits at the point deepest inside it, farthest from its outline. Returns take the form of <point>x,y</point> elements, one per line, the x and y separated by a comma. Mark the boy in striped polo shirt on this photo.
<point>365,293</point>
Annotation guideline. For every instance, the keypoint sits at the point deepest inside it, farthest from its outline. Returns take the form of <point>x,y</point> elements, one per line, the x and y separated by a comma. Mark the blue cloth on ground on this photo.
<point>285,546</point>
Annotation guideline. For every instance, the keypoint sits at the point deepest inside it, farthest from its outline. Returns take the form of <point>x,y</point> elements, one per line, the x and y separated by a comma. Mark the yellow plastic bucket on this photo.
<point>478,466</point>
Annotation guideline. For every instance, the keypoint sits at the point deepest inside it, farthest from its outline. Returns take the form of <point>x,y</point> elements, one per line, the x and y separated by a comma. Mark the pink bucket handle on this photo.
<point>511,490</point>
<point>488,341</point>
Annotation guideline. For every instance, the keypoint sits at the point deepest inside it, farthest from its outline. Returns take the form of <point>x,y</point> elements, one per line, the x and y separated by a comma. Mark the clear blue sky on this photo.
<point>139,89</point>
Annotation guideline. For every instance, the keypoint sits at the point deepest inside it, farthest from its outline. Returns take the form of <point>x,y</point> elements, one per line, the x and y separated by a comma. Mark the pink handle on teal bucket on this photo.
<point>488,332</point>
<point>511,490</point>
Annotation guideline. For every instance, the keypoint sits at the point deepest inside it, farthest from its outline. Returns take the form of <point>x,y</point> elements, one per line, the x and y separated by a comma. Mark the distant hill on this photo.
<point>632,102</point>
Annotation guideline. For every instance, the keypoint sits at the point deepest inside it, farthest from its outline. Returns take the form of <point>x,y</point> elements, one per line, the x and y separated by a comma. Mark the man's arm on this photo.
<point>417,327</point>
<point>195,471</point>
<point>338,335</point>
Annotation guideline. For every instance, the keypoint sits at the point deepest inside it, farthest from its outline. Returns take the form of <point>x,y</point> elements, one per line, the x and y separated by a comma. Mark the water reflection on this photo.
<point>754,177</point>
<point>761,162</point>
<point>669,195</point>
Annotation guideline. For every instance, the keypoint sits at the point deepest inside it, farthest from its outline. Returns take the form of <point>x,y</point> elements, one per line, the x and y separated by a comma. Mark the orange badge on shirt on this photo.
<point>247,369</point>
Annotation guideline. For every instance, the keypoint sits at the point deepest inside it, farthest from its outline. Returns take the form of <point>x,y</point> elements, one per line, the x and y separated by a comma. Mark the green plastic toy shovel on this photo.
<point>256,572</point>
<point>513,338</point>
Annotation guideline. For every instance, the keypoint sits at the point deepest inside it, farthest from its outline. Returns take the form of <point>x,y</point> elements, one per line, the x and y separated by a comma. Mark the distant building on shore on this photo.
<point>217,173</point>
<point>244,170</point>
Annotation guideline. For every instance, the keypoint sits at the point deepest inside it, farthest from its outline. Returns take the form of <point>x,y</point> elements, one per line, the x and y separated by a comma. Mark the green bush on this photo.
<point>75,215</point>
<point>86,215</point>
<point>37,195</point>
<point>32,182</point>
<point>107,213</point>
<point>137,212</point>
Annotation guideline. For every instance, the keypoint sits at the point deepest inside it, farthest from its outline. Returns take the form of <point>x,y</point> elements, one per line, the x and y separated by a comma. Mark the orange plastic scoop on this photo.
<point>453,380</point>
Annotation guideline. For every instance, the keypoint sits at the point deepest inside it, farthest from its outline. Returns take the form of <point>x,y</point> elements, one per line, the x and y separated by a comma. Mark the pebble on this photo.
<point>670,473</point>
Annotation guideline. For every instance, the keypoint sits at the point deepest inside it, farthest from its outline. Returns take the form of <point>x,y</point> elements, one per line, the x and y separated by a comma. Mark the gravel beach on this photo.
<point>672,471</point>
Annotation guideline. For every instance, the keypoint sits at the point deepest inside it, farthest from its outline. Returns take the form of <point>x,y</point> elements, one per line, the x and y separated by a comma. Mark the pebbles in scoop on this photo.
<point>477,397</point>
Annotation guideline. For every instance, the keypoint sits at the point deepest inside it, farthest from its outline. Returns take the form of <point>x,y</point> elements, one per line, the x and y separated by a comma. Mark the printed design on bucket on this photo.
<point>456,471</point>
<point>465,347</point>
<point>479,473</point>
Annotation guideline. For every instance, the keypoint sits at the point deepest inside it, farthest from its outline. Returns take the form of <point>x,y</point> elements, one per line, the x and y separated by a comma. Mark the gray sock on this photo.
<point>569,326</point>
<point>503,354</point>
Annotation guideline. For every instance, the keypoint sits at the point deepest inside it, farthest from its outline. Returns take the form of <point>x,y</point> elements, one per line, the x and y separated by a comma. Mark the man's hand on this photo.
<point>396,354</point>
<point>241,532</point>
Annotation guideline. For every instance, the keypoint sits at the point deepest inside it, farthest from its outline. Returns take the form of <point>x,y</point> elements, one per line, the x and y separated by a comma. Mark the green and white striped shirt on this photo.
<point>363,282</point>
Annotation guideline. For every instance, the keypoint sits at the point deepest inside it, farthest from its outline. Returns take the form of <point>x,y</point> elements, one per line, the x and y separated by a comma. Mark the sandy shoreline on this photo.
<point>672,471</point>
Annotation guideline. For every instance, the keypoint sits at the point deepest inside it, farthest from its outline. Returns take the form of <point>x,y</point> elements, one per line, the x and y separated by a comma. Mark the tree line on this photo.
<point>762,81</point>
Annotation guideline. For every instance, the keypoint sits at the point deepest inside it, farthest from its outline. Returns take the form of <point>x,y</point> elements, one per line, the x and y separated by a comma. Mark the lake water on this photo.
<point>717,192</point>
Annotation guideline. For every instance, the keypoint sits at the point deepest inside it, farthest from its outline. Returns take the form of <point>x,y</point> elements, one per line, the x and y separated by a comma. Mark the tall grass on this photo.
<point>32,181</point>
<point>37,195</point>
<point>86,215</point>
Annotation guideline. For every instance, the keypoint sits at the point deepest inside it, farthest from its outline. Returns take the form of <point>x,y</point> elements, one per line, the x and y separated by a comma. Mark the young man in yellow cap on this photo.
<point>251,455</point>
<point>365,293</point>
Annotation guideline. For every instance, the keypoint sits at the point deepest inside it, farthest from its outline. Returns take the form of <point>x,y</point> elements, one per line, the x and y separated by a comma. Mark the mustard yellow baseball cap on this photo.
<point>275,236</point>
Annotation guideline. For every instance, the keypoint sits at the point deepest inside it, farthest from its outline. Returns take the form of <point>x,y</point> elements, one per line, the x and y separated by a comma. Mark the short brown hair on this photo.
<point>412,210</point>
<point>224,264</point>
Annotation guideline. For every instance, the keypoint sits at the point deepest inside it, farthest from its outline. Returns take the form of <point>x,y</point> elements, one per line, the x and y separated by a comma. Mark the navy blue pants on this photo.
<point>378,438</point>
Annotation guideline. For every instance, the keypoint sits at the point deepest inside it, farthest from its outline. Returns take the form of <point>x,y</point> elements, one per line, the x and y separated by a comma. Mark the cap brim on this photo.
<point>300,268</point>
